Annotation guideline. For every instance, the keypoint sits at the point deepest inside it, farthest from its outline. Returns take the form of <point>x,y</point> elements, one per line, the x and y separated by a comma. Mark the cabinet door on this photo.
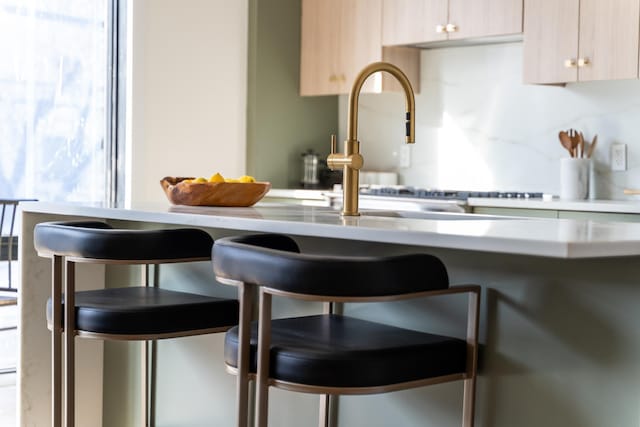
<point>482,18</point>
<point>413,21</point>
<point>319,39</point>
<point>338,38</point>
<point>551,41</point>
<point>360,41</point>
<point>609,32</point>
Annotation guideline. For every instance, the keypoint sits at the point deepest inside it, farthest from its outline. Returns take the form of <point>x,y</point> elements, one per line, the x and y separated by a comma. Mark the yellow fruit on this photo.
<point>216,178</point>
<point>246,178</point>
<point>231,180</point>
<point>200,179</point>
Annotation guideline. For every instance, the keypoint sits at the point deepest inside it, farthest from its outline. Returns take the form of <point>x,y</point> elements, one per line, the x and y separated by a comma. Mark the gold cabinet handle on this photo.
<point>583,62</point>
<point>569,63</point>
<point>342,78</point>
<point>333,78</point>
<point>451,28</point>
<point>441,28</point>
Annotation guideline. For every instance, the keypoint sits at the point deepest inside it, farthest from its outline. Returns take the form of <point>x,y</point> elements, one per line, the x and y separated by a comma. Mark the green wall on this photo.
<point>281,124</point>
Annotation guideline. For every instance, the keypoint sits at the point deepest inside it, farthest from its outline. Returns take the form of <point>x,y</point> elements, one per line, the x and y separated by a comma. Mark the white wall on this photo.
<point>478,127</point>
<point>187,93</point>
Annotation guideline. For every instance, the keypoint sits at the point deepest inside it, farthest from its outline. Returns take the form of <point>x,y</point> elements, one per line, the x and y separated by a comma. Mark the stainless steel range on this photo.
<point>420,199</point>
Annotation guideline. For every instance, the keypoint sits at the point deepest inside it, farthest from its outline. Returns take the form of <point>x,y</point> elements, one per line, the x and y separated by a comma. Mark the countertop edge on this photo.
<point>551,238</point>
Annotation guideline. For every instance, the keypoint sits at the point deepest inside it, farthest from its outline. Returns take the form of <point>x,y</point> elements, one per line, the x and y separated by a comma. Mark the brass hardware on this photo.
<point>351,161</point>
<point>583,62</point>
<point>441,28</point>
<point>569,63</point>
<point>336,160</point>
<point>451,28</point>
<point>332,78</point>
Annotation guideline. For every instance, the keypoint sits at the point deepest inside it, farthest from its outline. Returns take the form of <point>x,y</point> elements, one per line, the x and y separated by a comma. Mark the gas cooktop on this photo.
<point>421,193</point>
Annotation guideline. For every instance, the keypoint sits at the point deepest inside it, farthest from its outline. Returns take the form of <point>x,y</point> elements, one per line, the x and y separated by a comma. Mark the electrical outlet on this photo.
<point>405,156</point>
<point>618,157</point>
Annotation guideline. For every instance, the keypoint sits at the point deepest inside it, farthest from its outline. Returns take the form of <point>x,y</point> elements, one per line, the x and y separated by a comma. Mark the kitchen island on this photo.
<point>558,322</point>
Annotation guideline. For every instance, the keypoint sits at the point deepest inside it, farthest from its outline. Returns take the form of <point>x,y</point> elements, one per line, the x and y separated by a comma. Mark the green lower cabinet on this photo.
<point>531,213</point>
<point>549,213</point>
<point>600,216</point>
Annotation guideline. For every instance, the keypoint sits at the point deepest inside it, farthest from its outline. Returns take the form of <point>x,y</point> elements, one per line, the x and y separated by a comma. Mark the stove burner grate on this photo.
<point>421,193</point>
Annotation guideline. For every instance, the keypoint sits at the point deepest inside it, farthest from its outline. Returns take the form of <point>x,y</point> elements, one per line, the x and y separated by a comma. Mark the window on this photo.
<point>57,92</point>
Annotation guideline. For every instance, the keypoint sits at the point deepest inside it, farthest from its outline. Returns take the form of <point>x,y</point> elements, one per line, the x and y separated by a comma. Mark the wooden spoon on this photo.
<point>565,140</point>
<point>575,141</point>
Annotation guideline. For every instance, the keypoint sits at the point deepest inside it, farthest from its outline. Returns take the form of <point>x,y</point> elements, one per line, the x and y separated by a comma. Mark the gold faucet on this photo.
<point>351,161</point>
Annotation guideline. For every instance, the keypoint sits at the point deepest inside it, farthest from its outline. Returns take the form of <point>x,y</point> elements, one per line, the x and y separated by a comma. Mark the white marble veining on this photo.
<point>555,238</point>
<point>480,128</point>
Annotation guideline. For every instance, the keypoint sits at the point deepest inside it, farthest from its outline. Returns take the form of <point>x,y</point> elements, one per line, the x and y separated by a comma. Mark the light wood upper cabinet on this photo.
<point>484,18</point>
<point>421,21</point>
<point>407,22</point>
<point>609,39</point>
<point>339,38</point>
<point>580,40</point>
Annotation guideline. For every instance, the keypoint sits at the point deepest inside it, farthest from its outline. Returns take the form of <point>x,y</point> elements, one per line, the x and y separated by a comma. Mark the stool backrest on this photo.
<point>273,261</point>
<point>96,241</point>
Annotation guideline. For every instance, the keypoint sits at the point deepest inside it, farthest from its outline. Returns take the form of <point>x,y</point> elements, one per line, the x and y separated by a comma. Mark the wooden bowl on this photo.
<point>237,194</point>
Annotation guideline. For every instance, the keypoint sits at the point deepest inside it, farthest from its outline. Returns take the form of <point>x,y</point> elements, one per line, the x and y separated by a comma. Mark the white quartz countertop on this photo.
<point>556,238</point>
<point>630,205</point>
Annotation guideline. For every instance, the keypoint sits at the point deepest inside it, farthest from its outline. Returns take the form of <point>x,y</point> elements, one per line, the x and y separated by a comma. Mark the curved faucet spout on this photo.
<point>351,161</point>
<point>410,103</point>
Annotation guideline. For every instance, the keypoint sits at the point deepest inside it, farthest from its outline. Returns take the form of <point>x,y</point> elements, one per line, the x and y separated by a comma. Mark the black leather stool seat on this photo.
<point>341,351</point>
<point>147,310</point>
<point>98,240</point>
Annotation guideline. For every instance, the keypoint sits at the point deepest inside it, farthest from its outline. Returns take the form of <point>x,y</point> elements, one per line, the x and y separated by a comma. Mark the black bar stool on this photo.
<point>141,313</point>
<point>333,354</point>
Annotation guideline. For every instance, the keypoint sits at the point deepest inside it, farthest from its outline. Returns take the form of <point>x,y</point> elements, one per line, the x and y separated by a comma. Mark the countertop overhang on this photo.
<point>555,238</point>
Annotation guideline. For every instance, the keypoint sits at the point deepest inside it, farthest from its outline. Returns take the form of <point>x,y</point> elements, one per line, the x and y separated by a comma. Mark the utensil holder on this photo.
<point>574,178</point>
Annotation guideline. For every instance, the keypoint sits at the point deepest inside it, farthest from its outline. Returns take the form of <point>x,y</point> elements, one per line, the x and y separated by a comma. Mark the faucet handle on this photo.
<point>334,144</point>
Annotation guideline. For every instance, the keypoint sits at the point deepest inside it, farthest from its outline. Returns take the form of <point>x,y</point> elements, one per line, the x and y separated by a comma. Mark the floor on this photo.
<point>8,400</point>
<point>8,354</point>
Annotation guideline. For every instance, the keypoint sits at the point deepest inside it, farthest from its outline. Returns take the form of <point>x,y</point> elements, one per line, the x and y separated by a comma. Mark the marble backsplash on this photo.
<point>480,128</point>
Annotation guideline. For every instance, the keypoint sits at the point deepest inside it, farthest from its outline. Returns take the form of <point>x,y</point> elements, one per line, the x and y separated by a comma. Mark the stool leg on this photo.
<point>245,295</point>
<point>152,382</point>
<point>328,410</point>
<point>69,335</point>
<point>147,368</point>
<point>144,383</point>
<point>328,402</point>
<point>264,345</point>
<point>468,405</point>
<point>56,342</point>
